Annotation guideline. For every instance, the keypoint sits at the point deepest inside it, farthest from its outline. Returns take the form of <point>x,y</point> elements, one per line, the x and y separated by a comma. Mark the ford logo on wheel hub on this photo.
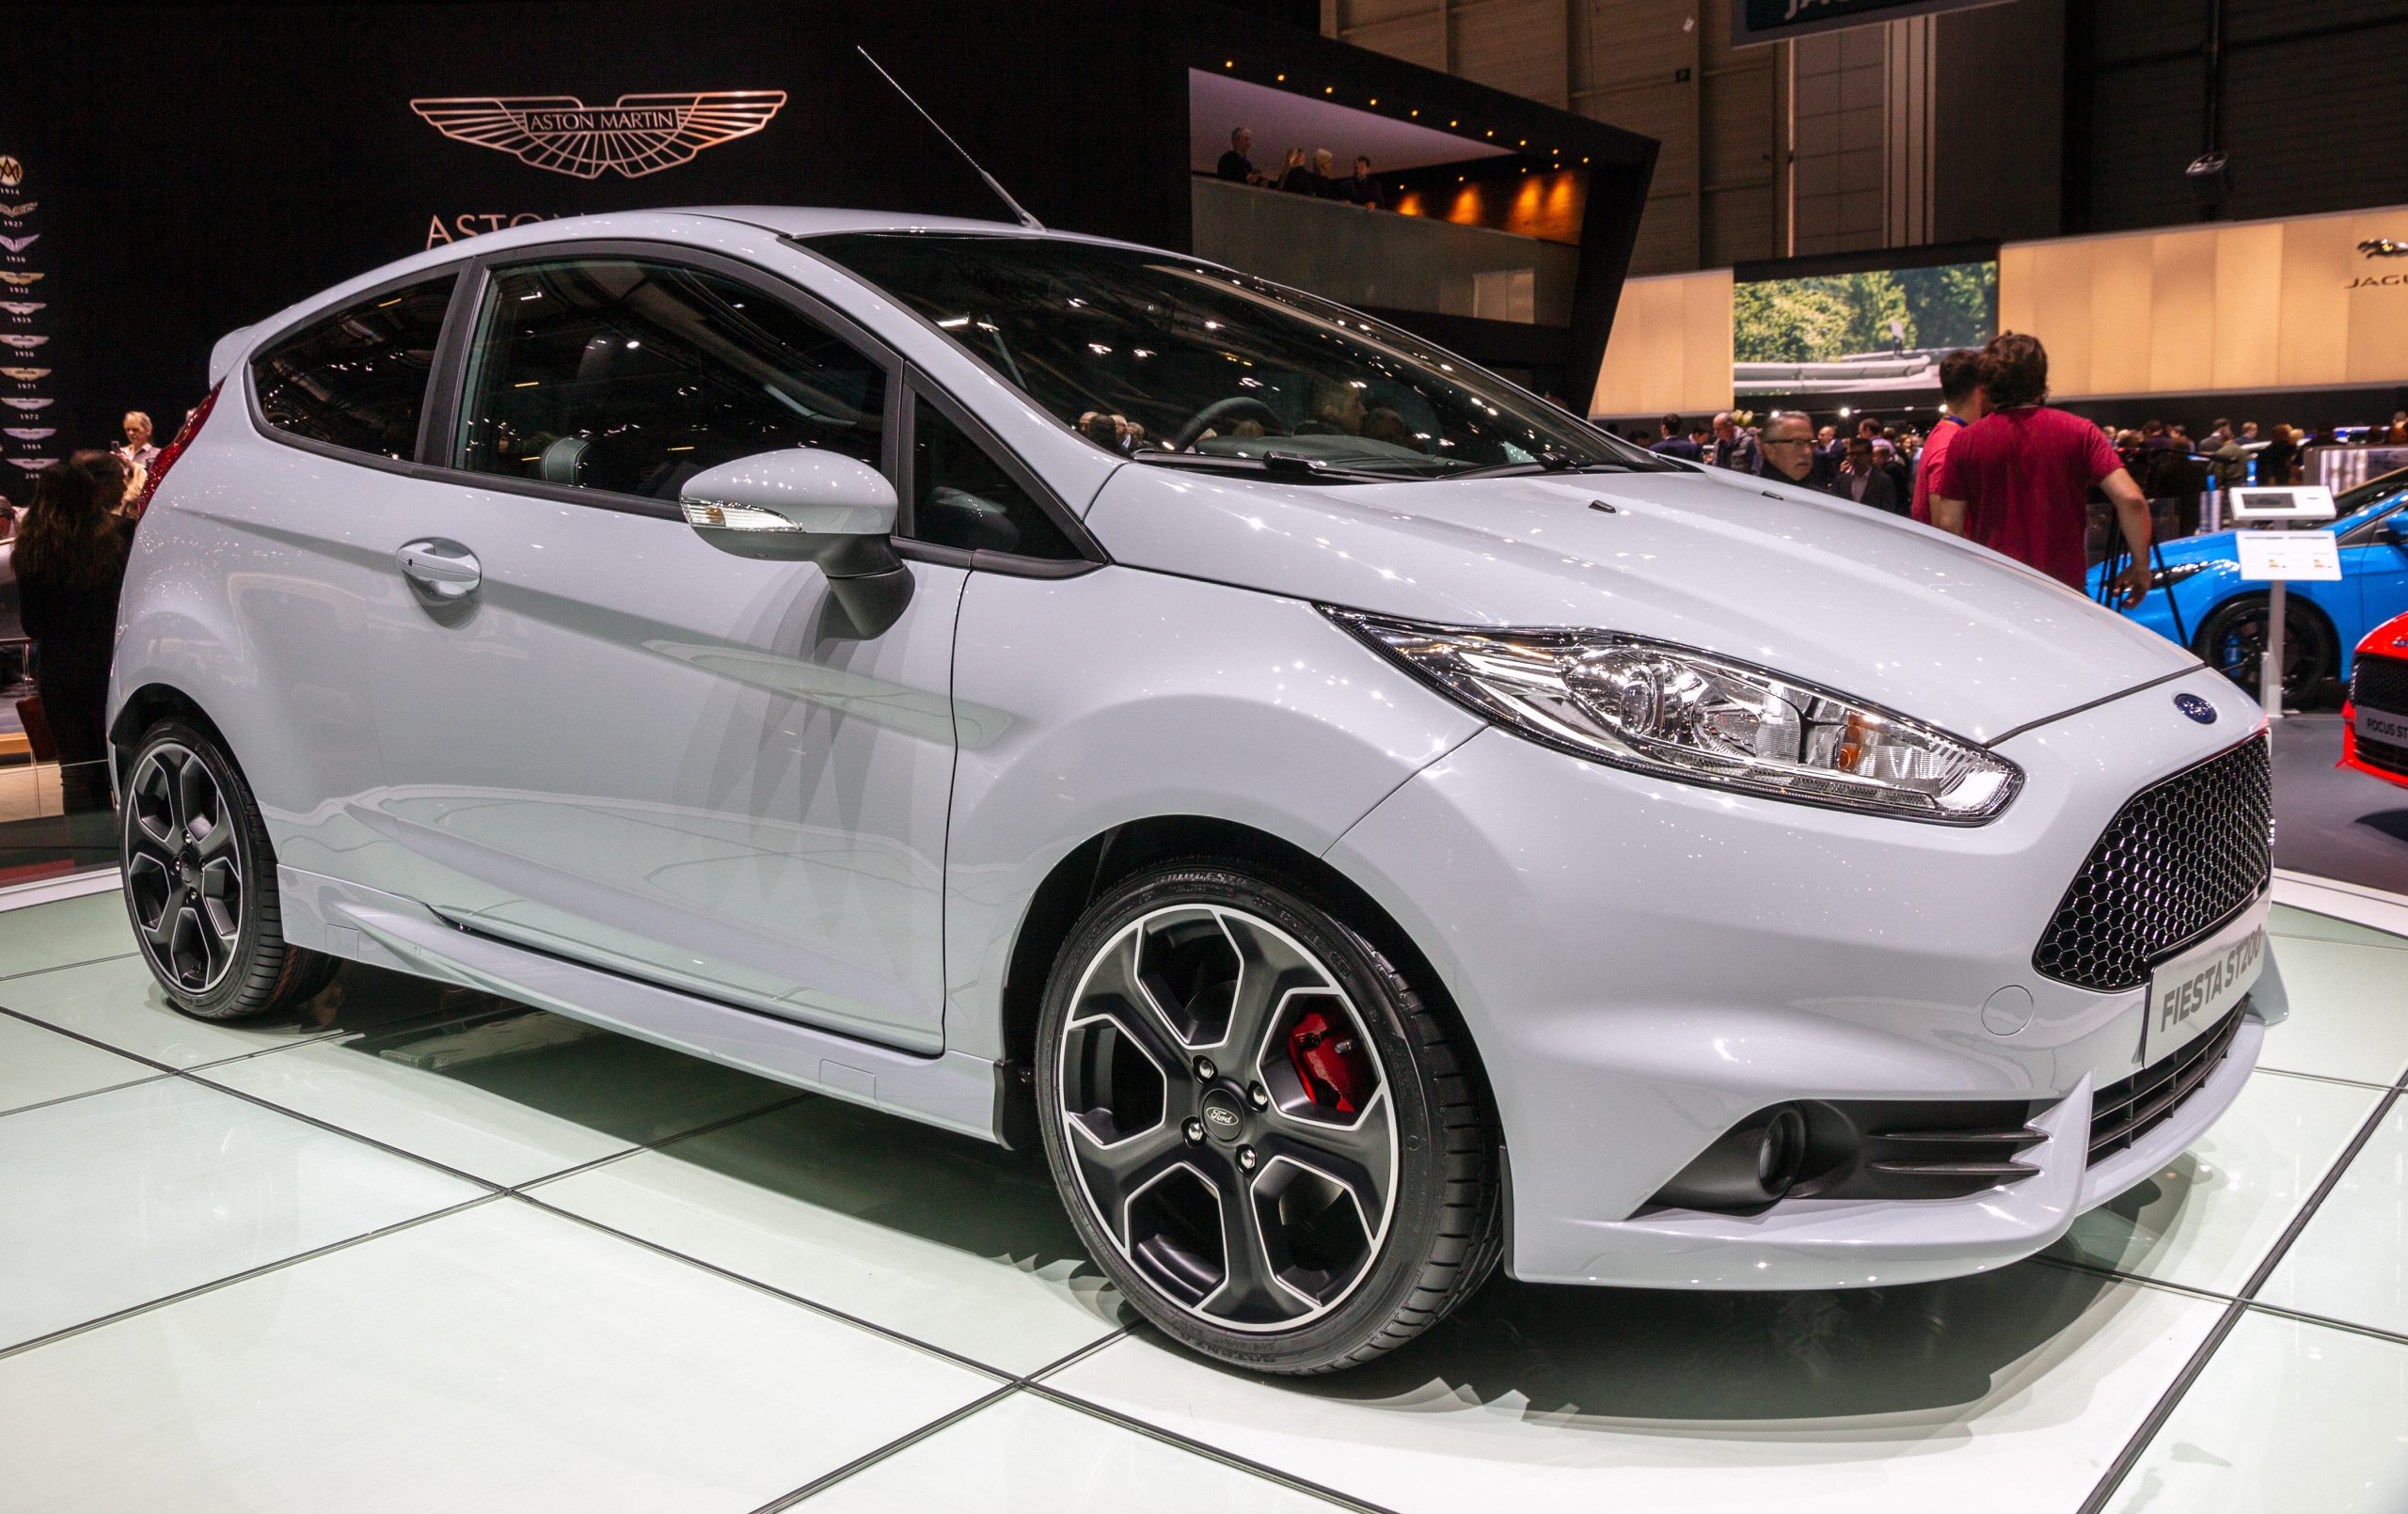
<point>2196,709</point>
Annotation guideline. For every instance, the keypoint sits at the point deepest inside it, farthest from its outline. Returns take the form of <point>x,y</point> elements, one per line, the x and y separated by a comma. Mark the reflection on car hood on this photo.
<point>1820,589</point>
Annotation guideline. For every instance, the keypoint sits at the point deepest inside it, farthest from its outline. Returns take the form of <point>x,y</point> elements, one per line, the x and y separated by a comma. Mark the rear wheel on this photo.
<point>1264,1136</point>
<point>2233,639</point>
<point>201,882</point>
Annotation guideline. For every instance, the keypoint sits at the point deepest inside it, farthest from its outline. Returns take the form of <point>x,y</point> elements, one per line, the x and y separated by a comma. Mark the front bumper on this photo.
<point>1643,962</point>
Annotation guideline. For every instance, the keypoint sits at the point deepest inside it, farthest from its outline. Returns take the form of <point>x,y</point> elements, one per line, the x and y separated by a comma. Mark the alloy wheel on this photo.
<point>183,874</point>
<point>1230,1126</point>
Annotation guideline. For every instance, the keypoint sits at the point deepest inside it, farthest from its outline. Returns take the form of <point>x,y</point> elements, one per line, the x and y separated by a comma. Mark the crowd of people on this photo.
<point>2002,466</point>
<point>1313,173</point>
<point>68,550</point>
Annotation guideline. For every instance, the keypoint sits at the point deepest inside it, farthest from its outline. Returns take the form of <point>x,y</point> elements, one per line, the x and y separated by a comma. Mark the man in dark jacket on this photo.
<point>1862,478</point>
<point>1236,166</point>
<point>1675,442</point>
<point>1788,454</point>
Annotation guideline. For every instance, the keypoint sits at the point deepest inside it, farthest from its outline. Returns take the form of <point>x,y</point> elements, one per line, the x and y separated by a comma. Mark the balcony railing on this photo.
<point>1373,258</point>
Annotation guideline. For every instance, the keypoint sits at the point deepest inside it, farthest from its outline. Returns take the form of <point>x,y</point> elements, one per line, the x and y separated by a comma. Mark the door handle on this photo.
<point>443,571</point>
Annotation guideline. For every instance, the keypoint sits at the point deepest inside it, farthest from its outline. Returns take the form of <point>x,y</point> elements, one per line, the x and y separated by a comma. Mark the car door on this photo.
<point>2376,565</point>
<point>609,738</point>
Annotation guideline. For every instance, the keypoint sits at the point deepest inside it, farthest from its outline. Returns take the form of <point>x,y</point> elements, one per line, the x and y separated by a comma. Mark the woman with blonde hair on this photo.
<point>69,560</point>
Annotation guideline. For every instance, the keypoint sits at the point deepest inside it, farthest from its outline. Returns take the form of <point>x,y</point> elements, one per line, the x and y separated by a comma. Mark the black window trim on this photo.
<point>438,412</point>
<point>1090,553</point>
<point>409,467</point>
<point>440,442</point>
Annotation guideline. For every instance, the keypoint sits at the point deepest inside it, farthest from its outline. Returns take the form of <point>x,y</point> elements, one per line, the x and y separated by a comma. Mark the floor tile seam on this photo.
<point>319,1038</point>
<point>2322,1077</point>
<point>92,1041</point>
<point>64,967</point>
<point>1205,1449</point>
<point>794,1096</point>
<point>2309,1316</point>
<point>640,1148</point>
<point>784,1295</point>
<point>2137,1444</point>
<point>2240,1306</point>
<point>193,1075</point>
<point>85,1093</point>
<point>2099,1270</point>
<point>2367,1131</point>
<point>280,1264</point>
<point>893,1448</point>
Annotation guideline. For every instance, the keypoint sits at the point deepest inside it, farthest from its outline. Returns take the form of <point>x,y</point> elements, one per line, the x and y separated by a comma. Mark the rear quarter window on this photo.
<point>356,379</point>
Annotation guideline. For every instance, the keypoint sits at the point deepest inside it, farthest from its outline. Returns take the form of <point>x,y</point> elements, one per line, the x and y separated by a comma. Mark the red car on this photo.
<point>2375,722</point>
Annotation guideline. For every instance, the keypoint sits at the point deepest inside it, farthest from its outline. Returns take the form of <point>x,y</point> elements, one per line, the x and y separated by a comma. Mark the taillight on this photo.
<point>174,449</point>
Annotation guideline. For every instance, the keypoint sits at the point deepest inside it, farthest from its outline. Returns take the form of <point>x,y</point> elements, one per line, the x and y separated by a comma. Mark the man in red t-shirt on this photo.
<point>1960,396</point>
<point>2018,480</point>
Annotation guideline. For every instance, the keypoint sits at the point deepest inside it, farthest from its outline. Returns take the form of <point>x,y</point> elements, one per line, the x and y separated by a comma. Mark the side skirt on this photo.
<point>951,1089</point>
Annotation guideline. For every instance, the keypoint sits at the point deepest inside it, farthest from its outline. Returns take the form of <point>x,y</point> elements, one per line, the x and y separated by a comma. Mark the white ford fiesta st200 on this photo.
<point>1365,824</point>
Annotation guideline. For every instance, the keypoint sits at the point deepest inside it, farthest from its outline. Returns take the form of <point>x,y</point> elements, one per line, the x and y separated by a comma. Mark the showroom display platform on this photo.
<point>418,1249</point>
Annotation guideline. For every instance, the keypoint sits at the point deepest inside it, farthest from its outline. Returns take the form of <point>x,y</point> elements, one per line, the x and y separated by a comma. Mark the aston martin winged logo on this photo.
<point>30,433</point>
<point>33,464</point>
<point>19,244</point>
<point>23,307</point>
<point>28,405</point>
<point>17,213</point>
<point>639,136</point>
<point>23,344</point>
<point>21,280</point>
<point>2383,247</point>
<point>27,375</point>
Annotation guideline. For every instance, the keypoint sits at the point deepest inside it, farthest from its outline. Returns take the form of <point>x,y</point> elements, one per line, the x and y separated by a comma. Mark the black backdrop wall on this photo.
<point>194,170</point>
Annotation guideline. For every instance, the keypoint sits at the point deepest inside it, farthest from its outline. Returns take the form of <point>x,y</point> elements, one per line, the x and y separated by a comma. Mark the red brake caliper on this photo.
<point>1334,1070</point>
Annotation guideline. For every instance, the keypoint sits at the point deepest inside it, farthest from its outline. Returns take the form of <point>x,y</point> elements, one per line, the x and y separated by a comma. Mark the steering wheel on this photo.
<point>1220,415</point>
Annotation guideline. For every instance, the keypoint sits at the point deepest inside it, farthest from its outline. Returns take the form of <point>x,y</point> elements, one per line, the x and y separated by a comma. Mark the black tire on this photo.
<point>201,882</point>
<point>1338,1292</point>
<point>2232,640</point>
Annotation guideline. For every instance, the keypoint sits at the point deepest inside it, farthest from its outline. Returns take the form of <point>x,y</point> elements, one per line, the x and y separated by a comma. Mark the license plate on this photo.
<point>2383,726</point>
<point>2192,993</point>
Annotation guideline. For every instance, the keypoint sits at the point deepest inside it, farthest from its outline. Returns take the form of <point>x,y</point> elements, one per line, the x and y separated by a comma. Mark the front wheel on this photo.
<point>201,882</point>
<point>2233,640</point>
<point>1264,1136</point>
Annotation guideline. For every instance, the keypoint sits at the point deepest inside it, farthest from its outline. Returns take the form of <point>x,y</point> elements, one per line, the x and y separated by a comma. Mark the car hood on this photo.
<point>1823,589</point>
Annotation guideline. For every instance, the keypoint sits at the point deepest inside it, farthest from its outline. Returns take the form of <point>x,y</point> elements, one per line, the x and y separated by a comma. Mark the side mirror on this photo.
<point>2397,529</point>
<point>817,506</point>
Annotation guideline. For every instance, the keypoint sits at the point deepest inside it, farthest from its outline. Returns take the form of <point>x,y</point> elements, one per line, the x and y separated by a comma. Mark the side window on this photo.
<point>632,376</point>
<point>963,498</point>
<point>356,379</point>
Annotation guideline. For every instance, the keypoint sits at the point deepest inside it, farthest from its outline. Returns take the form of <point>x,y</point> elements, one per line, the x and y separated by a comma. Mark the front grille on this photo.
<point>2123,1113</point>
<point>2179,860</point>
<point>2381,682</point>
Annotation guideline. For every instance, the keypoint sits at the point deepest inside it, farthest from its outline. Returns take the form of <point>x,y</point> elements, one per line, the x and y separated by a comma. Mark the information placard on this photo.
<point>2287,555</point>
<point>2288,502</point>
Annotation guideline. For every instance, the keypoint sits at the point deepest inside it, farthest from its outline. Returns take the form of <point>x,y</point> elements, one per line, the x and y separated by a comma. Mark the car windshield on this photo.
<point>2356,507</point>
<point>1175,361</point>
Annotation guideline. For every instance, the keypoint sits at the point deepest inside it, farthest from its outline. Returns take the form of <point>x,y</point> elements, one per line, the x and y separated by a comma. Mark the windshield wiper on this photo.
<point>1279,464</point>
<point>1561,463</point>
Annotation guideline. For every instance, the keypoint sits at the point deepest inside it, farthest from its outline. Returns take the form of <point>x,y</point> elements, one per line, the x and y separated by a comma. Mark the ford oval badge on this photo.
<point>2196,709</point>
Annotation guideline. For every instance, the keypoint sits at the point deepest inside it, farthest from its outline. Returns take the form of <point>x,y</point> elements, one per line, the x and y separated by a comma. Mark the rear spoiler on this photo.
<point>221,357</point>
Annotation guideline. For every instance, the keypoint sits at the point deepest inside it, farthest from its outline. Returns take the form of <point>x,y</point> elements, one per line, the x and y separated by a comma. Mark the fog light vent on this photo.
<point>1755,1164</point>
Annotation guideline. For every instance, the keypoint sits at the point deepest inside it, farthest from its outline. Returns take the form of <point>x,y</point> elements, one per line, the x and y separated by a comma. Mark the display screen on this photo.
<point>1844,333</point>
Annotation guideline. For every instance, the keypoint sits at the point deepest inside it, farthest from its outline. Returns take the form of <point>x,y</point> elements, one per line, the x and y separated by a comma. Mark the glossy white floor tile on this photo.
<point>1026,1455</point>
<point>2349,1012</point>
<point>943,1238</point>
<point>499,1358</point>
<point>39,1064</point>
<point>2351,1261</point>
<point>2287,1415</point>
<point>119,1004</point>
<point>119,1198</point>
<point>2288,920</point>
<point>2011,1392</point>
<point>67,930</point>
<point>493,1109</point>
<point>2212,1215</point>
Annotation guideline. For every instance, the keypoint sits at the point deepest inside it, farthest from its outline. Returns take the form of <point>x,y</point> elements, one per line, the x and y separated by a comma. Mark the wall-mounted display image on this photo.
<point>1843,333</point>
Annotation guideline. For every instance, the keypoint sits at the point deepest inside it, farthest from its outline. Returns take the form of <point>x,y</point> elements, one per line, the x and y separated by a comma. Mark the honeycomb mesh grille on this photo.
<point>2178,859</point>
<point>2381,682</point>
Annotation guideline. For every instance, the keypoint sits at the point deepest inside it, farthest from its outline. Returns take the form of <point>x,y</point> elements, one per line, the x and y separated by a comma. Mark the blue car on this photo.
<point>2198,597</point>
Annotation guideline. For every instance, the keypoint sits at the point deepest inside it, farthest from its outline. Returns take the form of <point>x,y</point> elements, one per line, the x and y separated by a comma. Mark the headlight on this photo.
<point>2174,573</point>
<point>1702,718</point>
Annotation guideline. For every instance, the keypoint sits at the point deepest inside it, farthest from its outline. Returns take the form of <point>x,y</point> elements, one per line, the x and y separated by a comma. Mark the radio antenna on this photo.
<point>1001,193</point>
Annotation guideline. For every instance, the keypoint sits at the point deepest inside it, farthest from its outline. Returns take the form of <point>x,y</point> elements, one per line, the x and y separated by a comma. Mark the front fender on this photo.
<point>1120,694</point>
